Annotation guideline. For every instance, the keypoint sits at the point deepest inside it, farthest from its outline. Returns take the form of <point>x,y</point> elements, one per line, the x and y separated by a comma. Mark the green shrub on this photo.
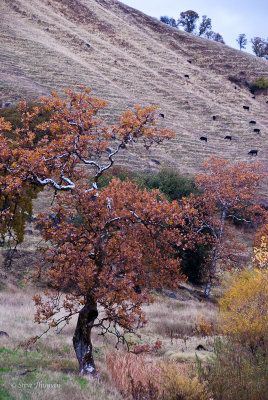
<point>170,182</point>
<point>260,83</point>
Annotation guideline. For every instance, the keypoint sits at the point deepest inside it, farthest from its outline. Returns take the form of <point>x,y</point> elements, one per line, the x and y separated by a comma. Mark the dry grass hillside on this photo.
<point>128,58</point>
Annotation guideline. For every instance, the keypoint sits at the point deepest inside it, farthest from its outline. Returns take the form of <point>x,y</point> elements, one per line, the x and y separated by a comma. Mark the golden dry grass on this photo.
<point>53,358</point>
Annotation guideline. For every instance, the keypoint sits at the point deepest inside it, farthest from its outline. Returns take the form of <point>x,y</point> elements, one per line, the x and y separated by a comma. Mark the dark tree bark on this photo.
<point>82,338</point>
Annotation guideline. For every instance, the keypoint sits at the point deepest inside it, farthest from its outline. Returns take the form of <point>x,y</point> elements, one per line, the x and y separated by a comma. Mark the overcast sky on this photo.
<point>229,17</point>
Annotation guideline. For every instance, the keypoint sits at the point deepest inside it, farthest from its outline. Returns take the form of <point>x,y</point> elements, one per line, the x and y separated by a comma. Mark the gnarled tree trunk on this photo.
<point>82,339</point>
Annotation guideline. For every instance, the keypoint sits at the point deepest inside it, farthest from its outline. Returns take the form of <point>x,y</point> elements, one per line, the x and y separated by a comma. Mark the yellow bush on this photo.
<point>260,259</point>
<point>243,308</point>
<point>177,386</point>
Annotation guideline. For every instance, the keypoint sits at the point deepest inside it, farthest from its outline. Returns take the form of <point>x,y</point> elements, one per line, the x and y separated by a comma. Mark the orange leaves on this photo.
<point>123,245</point>
<point>230,185</point>
<point>4,126</point>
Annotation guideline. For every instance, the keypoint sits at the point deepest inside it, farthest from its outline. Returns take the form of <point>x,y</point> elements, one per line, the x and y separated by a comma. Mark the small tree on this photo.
<point>242,41</point>
<point>188,20</point>
<point>230,193</point>
<point>259,46</point>
<point>169,21</point>
<point>205,25</point>
<point>217,37</point>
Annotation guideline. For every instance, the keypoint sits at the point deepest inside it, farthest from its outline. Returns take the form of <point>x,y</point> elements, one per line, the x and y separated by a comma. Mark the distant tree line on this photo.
<point>189,19</point>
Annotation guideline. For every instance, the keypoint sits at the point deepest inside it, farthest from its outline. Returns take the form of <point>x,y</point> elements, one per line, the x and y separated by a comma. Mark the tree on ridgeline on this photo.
<point>205,25</point>
<point>230,192</point>
<point>217,37</point>
<point>169,21</point>
<point>242,41</point>
<point>260,47</point>
<point>188,20</point>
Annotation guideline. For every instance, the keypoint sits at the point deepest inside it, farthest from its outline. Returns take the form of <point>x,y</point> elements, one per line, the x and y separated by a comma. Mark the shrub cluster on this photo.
<point>239,368</point>
<point>259,83</point>
<point>138,379</point>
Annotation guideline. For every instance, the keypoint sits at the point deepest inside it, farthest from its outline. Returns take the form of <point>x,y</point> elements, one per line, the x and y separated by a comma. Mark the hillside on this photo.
<point>128,58</point>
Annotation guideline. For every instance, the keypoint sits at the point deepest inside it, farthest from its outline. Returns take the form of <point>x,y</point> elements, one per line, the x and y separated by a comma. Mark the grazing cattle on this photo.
<point>252,122</point>
<point>235,87</point>
<point>189,61</point>
<point>267,102</point>
<point>155,161</point>
<point>253,152</point>
<point>246,107</point>
<point>254,97</point>
<point>186,76</point>
<point>205,139</point>
<point>162,115</point>
<point>228,137</point>
<point>257,130</point>
<point>88,45</point>
<point>214,117</point>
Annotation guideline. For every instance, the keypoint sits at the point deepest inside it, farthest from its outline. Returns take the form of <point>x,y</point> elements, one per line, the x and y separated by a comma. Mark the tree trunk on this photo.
<point>82,338</point>
<point>216,254</point>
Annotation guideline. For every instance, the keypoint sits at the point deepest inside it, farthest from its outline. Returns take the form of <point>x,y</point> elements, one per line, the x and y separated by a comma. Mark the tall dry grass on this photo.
<point>140,378</point>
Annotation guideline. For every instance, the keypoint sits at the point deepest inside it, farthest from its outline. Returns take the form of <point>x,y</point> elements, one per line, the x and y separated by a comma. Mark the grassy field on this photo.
<point>49,368</point>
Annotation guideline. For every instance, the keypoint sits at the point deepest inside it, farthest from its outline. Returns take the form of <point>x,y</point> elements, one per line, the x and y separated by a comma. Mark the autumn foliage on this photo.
<point>230,193</point>
<point>108,249</point>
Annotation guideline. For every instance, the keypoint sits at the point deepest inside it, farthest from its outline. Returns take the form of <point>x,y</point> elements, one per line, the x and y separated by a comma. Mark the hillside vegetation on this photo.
<point>128,58</point>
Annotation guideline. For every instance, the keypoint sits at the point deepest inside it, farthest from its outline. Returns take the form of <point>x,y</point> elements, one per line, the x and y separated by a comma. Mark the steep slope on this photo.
<point>129,58</point>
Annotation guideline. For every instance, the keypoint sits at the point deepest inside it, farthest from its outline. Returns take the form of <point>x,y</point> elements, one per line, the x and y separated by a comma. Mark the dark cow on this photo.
<point>252,122</point>
<point>189,61</point>
<point>162,115</point>
<point>246,107</point>
<point>186,76</point>
<point>253,152</point>
<point>155,161</point>
<point>267,102</point>
<point>205,139</point>
<point>214,117</point>
<point>257,130</point>
<point>235,87</point>
<point>254,97</point>
<point>228,137</point>
<point>88,45</point>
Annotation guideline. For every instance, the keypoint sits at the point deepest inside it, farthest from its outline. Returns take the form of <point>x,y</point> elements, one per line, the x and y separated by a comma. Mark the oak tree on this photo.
<point>169,21</point>
<point>259,46</point>
<point>242,41</point>
<point>230,192</point>
<point>107,248</point>
<point>205,25</point>
<point>188,20</point>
